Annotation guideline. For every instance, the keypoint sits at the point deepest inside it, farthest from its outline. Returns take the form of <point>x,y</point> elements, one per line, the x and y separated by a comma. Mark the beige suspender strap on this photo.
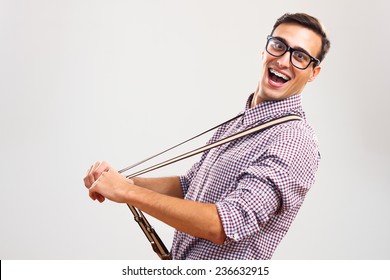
<point>223,141</point>
<point>152,236</point>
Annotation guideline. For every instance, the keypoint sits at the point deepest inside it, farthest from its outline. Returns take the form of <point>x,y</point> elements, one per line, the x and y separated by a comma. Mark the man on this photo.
<point>239,200</point>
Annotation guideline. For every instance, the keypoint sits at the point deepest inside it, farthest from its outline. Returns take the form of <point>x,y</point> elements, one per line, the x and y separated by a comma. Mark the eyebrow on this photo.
<point>295,48</point>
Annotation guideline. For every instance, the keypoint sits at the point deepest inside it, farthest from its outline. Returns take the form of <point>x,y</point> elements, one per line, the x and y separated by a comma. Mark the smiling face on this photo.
<point>280,78</point>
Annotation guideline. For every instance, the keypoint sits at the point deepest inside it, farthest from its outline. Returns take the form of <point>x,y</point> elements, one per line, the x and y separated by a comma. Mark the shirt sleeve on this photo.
<point>277,181</point>
<point>185,180</point>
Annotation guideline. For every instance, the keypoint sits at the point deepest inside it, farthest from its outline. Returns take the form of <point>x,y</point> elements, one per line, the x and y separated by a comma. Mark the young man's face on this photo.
<point>291,80</point>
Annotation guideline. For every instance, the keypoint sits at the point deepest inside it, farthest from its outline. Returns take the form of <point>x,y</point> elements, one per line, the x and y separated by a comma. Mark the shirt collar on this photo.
<point>269,110</point>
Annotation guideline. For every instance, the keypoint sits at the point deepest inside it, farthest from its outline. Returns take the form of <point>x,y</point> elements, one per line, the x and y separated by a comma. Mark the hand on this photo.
<point>93,174</point>
<point>105,182</point>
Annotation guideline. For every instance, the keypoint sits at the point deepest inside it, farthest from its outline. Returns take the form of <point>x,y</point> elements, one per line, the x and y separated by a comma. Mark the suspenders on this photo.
<point>152,236</point>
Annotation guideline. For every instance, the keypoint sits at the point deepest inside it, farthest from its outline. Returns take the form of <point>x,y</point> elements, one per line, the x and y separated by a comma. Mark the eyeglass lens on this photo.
<point>298,58</point>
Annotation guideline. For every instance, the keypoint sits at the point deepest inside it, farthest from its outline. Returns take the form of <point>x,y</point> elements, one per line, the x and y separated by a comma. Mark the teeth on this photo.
<point>279,74</point>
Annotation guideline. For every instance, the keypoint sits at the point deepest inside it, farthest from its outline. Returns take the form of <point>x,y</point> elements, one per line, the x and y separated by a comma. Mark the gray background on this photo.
<point>120,80</point>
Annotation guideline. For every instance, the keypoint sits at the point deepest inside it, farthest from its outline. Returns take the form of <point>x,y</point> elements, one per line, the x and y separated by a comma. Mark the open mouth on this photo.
<point>277,77</point>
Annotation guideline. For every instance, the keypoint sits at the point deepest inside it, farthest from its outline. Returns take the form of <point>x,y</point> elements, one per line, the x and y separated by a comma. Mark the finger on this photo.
<point>97,196</point>
<point>87,180</point>
<point>100,198</point>
<point>94,194</point>
<point>89,170</point>
<point>92,176</point>
<point>130,181</point>
<point>99,169</point>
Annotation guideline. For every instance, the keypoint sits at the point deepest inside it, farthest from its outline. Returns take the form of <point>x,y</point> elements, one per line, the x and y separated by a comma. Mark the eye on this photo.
<point>300,56</point>
<point>278,46</point>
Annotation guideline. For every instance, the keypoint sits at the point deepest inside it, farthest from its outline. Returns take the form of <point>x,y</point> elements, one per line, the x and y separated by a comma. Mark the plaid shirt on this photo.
<point>258,183</point>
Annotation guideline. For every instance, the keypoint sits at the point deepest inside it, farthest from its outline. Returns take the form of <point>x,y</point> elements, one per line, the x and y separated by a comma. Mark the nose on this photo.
<point>284,60</point>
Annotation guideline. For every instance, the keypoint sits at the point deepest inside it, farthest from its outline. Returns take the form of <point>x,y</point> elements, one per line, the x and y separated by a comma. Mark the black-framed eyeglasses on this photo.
<point>299,58</point>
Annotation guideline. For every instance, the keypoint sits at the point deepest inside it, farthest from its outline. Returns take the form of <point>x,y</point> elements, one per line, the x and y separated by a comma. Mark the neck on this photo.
<point>256,100</point>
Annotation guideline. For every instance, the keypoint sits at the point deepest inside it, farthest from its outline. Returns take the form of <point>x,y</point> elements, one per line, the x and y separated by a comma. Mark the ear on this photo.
<point>314,73</point>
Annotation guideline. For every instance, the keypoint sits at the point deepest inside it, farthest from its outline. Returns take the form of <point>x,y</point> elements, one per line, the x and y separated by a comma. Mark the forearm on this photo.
<point>164,185</point>
<point>160,198</point>
<point>195,218</point>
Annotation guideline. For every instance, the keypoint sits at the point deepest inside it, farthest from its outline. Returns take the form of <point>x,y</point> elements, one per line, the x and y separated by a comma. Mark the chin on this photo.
<point>270,94</point>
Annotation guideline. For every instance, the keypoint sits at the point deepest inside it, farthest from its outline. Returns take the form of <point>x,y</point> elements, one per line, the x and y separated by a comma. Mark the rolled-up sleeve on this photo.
<point>271,186</point>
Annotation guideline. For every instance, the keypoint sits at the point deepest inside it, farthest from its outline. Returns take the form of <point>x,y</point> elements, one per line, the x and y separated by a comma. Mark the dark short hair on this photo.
<point>309,22</point>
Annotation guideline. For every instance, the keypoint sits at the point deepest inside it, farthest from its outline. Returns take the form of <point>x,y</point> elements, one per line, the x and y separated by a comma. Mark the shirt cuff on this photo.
<point>231,220</point>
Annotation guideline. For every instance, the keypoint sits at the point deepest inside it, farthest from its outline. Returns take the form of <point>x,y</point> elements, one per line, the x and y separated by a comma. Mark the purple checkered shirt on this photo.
<point>258,183</point>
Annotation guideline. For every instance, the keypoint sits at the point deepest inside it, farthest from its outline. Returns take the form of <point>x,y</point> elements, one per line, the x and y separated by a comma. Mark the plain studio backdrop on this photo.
<point>82,81</point>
